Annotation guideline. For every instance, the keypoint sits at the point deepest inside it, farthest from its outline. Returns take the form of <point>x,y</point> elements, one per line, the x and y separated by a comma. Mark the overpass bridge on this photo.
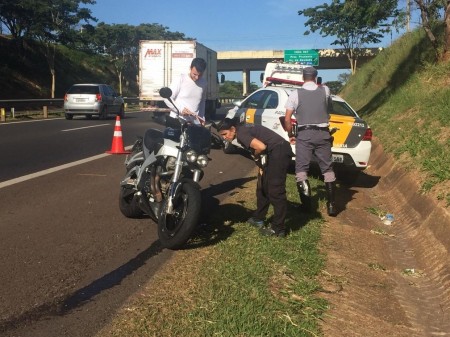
<point>256,60</point>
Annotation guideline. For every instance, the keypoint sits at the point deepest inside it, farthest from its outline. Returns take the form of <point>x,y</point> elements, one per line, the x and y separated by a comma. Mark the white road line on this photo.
<point>32,121</point>
<point>85,127</point>
<point>53,169</point>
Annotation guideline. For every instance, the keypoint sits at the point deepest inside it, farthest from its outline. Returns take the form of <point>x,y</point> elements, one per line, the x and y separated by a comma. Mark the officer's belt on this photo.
<point>313,127</point>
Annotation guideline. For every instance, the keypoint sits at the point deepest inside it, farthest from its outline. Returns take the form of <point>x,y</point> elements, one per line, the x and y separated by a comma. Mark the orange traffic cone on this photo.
<point>117,143</point>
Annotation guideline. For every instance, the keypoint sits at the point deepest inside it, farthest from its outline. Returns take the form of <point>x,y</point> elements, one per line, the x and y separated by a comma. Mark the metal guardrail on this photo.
<point>20,107</point>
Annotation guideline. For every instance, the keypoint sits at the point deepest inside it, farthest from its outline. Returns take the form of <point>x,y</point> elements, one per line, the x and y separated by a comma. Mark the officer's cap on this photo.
<point>310,71</point>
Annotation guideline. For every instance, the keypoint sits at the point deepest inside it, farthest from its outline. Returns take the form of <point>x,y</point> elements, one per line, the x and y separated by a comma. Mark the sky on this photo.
<point>228,25</point>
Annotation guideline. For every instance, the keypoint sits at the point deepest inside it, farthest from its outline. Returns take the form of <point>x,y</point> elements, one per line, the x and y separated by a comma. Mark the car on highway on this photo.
<point>91,99</point>
<point>351,139</point>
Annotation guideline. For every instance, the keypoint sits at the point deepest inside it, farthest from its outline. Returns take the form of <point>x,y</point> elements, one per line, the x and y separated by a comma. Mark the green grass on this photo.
<point>245,285</point>
<point>406,101</point>
<point>248,285</point>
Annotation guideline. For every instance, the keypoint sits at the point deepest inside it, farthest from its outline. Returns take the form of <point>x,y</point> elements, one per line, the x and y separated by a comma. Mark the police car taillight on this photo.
<point>367,134</point>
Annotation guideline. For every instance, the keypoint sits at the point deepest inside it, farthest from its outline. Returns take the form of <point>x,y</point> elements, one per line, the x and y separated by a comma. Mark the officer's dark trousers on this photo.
<point>271,187</point>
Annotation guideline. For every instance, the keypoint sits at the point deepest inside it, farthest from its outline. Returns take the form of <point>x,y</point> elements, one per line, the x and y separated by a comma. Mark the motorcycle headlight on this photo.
<point>191,156</point>
<point>202,160</point>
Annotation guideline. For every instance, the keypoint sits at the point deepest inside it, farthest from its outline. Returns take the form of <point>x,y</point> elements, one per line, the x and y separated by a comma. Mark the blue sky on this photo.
<point>226,25</point>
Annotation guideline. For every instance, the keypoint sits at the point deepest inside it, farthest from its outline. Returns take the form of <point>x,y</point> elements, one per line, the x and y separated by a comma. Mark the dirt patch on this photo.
<point>387,280</point>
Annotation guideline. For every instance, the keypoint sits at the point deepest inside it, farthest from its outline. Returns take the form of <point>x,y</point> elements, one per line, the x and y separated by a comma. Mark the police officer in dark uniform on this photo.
<point>312,105</point>
<point>273,154</point>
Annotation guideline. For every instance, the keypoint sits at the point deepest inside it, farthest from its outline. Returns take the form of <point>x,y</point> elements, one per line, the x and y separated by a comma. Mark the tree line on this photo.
<point>353,23</point>
<point>357,23</point>
<point>66,22</point>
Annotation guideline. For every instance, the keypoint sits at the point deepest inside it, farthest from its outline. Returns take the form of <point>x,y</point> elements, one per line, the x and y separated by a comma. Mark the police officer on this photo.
<point>312,105</point>
<point>273,155</point>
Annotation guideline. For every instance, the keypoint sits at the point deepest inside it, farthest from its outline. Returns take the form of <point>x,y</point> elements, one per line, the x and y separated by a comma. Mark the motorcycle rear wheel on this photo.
<point>129,204</point>
<point>175,229</point>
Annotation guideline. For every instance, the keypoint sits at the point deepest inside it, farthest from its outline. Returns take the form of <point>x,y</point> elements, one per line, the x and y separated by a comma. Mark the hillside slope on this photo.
<point>24,71</point>
<point>406,100</point>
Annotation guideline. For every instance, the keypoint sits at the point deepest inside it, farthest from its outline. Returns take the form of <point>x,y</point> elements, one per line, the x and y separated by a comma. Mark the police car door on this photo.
<point>260,108</point>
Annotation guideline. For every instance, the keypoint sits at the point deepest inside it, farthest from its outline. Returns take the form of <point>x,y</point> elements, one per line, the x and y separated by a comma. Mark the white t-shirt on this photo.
<point>188,94</point>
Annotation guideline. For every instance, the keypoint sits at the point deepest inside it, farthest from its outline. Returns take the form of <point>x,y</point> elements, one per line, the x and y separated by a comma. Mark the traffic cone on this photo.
<point>117,142</point>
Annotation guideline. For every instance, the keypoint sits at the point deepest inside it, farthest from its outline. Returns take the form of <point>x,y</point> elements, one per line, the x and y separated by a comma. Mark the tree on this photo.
<point>344,77</point>
<point>17,16</point>
<point>234,89</point>
<point>354,23</point>
<point>121,43</point>
<point>54,23</point>
<point>446,55</point>
<point>429,14</point>
<point>335,86</point>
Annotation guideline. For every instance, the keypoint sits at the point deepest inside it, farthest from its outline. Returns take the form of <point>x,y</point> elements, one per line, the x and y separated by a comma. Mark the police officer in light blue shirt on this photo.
<point>312,105</point>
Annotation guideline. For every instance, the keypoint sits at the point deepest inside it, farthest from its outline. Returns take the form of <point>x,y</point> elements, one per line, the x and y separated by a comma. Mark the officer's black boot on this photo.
<point>304,191</point>
<point>331,205</point>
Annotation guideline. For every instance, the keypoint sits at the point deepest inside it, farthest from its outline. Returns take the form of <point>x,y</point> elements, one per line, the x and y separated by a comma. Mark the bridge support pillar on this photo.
<point>246,81</point>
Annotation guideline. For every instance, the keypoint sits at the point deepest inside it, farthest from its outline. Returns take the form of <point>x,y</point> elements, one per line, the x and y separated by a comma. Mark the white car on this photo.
<point>351,140</point>
<point>93,99</point>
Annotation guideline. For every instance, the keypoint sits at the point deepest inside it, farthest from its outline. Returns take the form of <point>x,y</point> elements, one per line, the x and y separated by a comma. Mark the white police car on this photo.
<point>351,140</point>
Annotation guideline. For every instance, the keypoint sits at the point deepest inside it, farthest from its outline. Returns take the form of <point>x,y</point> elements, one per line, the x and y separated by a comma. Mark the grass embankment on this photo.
<point>247,285</point>
<point>406,101</point>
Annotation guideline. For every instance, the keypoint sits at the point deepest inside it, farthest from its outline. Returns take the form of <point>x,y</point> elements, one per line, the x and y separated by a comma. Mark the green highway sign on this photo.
<point>303,56</point>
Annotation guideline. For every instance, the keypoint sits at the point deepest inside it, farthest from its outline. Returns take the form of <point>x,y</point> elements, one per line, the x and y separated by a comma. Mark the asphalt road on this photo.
<point>69,257</point>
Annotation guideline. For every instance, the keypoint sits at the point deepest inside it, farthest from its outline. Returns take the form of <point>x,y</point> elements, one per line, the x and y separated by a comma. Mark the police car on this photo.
<point>351,138</point>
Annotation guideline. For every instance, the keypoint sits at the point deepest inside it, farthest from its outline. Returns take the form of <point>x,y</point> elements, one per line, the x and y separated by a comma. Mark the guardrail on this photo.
<point>45,106</point>
<point>26,107</point>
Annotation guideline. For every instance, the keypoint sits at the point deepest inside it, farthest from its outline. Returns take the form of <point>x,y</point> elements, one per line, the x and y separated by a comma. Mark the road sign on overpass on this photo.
<point>303,56</point>
<point>256,60</point>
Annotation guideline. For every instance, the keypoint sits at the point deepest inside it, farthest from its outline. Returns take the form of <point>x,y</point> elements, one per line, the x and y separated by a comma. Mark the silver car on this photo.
<point>93,99</point>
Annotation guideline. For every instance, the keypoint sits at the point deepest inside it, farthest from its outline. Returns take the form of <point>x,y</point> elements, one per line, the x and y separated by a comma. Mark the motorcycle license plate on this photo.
<point>338,158</point>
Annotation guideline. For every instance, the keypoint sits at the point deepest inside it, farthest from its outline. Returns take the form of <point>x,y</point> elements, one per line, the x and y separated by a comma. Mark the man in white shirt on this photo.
<point>189,93</point>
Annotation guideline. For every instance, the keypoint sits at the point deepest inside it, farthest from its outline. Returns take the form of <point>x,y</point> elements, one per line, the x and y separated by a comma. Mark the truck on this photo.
<point>161,61</point>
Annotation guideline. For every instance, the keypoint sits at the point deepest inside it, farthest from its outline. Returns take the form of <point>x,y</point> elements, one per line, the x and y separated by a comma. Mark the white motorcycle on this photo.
<point>162,178</point>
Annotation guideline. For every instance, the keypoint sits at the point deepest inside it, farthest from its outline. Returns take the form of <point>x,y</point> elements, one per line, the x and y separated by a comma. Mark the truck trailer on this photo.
<point>161,61</point>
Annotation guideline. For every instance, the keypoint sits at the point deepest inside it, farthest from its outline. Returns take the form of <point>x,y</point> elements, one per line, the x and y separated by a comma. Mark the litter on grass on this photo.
<point>388,219</point>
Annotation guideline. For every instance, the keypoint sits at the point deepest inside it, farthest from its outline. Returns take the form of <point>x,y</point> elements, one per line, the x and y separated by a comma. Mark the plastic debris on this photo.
<point>388,219</point>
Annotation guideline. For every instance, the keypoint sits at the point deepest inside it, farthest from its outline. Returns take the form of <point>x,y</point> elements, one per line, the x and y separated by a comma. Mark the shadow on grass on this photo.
<point>216,222</point>
<point>345,192</point>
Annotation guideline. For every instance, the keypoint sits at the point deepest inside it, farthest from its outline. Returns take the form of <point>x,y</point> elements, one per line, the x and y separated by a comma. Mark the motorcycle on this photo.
<point>162,178</point>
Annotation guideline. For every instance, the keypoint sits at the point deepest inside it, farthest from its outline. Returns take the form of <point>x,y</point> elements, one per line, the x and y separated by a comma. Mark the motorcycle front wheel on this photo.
<point>175,229</point>
<point>129,204</point>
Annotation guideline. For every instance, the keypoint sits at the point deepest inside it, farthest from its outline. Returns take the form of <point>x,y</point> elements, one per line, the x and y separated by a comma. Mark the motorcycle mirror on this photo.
<point>165,92</point>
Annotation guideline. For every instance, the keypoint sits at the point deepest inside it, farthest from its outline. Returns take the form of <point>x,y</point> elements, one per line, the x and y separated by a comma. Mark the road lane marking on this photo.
<point>84,127</point>
<point>53,169</point>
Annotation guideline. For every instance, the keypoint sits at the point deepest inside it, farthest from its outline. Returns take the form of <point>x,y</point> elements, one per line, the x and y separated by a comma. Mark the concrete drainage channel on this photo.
<point>422,248</point>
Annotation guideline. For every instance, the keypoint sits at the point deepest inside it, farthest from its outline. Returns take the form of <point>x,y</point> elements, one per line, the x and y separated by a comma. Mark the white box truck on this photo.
<point>161,61</point>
